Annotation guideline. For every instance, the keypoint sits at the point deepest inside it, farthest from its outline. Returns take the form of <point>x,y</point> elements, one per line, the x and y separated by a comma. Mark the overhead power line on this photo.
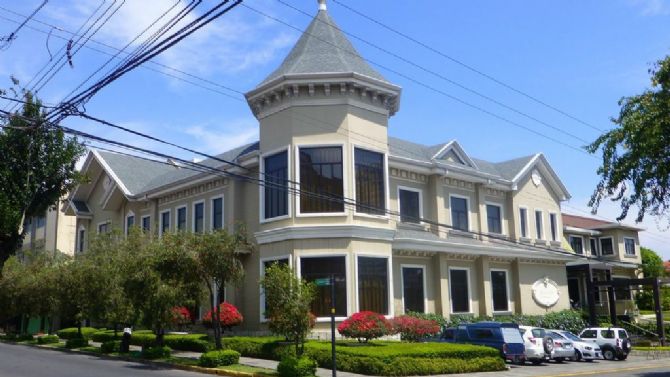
<point>7,41</point>
<point>469,67</point>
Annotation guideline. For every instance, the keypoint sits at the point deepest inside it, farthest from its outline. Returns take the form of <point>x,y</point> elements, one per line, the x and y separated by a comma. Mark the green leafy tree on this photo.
<point>37,167</point>
<point>652,264</point>
<point>288,300</point>
<point>636,154</point>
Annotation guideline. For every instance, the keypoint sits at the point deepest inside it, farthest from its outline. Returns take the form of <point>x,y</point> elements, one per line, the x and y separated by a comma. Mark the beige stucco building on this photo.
<point>402,226</point>
<point>50,232</point>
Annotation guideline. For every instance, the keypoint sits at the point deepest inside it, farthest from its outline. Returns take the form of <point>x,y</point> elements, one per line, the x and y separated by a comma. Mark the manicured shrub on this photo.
<point>105,336</point>
<point>365,325</point>
<point>47,339</point>
<point>413,329</point>
<point>571,320</point>
<point>20,337</point>
<point>72,332</point>
<point>228,317</point>
<point>76,343</point>
<point>152,353</point>
<point>296,367</point>
<point>219,358</point>
<point>111,346</point>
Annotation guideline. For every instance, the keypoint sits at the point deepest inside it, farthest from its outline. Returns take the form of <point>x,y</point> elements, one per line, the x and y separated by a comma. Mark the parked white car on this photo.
<point>586,351</point>
<point>538,345</point>
<point>613,341</point>
<point>563,348</point>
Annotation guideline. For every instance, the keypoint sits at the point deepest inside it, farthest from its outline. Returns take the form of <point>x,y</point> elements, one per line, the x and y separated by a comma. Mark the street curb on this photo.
<point>158,364</point>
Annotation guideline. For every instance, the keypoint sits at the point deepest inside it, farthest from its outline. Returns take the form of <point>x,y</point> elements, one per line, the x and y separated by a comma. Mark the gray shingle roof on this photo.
<point>323,48</point>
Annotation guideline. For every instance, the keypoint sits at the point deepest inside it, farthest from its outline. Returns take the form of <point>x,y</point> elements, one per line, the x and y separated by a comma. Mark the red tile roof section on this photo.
<point>583,222</point>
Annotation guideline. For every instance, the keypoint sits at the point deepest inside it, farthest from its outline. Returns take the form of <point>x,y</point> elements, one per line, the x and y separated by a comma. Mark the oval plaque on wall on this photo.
<point>546,292</point>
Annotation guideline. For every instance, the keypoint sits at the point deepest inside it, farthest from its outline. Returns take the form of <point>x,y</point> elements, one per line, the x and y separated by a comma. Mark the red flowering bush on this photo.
<point>365,326</point>
<point>181,316</point>
<point>228,318</point>
<point>413,329</point>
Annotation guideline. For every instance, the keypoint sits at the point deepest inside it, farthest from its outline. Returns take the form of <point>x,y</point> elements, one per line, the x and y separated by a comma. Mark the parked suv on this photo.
<point>538,345</point>
<point>613,341</point>
<point>504,337</point>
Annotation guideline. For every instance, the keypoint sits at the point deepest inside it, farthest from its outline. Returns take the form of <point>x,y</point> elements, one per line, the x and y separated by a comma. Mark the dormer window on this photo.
<point>321,180</point>
<point>370,182</point>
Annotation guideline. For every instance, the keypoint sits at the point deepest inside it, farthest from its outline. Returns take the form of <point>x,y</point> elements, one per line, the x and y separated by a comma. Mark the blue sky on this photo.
<point>579,56</point>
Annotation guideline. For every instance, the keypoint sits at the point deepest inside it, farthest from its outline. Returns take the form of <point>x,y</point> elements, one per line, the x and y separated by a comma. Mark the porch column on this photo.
<point>445,306</point>
<point>593,321</point>
<point>516,286</point>
<point>610,298</point>
<point>484,288</point>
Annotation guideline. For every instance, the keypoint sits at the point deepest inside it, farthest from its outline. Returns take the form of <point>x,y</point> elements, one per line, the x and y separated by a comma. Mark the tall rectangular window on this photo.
<point>41,221</point>
<point>312,268</point>
<point>606,246</point>
<point>146,223</point>
<point>413,289</point>
<point>165,222</point>
<point>494,218</point>
<point>459,213</point>
<point>81,239</point>
<point>181,218</point>
<point>410,206</point>
<point>373,284</point>
<point>554,226</point>
<point>594,246</point>
<point>199,217</point>
<point>276,185</point>
<point>130,222</point>
<point>538,224</point>
<point>460,290</point>
<point>629,244</point>
<point>499,290</point>
<point>523,222</point>
<point>321,174</point>
<point>217,213</point>
<point>103,228</point>
<point>576,243</point>
<point>370,187</point>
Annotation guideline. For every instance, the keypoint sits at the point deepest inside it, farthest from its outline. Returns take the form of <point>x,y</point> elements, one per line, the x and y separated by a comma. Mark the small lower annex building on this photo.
<point>323,117</point>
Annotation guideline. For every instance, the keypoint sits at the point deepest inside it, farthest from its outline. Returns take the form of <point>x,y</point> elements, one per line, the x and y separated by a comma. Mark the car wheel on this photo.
<point>588,360</point>
<point>609,354</point>
<point>559,359</point>
<point>536,362</point>
<point>578,356</point>
<point>548,344</point>
<point>623,356</point>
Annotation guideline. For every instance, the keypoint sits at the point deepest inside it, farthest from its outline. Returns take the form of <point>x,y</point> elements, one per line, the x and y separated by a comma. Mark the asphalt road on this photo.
<point>23,361</point>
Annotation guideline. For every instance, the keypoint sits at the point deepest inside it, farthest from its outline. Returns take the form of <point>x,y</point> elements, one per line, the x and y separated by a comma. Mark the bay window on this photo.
<point>370,187</point>
<point>373,284</point>
<point>629,245</point>
<point>275,191</point>
<point>312,268</point>
<point>577,244</point>
<point>606,246</point>
<point>321,180</point>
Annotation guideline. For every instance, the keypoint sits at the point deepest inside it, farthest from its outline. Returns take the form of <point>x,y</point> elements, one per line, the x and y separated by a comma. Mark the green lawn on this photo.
<point>666,314</point>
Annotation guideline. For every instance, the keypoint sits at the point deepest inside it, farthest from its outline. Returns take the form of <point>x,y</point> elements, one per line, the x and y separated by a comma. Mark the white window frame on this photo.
<point>509,297</point>
<point>106,222</point>
<point>554,230</point>
<point>600,246</point>
<point>204,215</point>
<point>389,266</point>
<point>262,275</point>
<point>345,180</point>
<point>596,242</point>
<point>176,218</point>
<point>142,223</point>
<point>467,207</point>
<point>160,221</point>
<point>451,299</point>
<point>412,189</point>
<point>347,276</point>
<point>625,250</point>
<point>386,180</point>
<point>402,285</point>
<point>261,188</point>
<point>571,236</point>
<point>541,236</point>
<point>223,211</point>
<point>125,224</point>
<point>521,230</point>
<point>503,231</point>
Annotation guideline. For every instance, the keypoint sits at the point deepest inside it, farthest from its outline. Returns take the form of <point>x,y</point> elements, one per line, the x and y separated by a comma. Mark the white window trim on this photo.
<point>420,192</point>
<point>389,265</point>
<point>402,285</point>
<point>503,231</point>
<point>160,221</point>
<point>345,181</point>
<point>262,275</point>
<point>261,188</point>
<point>542,236</point>
<point>451,299</point>
<point>80,244</point>
<point>142,222</point>
<point>558,236</point>
<point>223,211</point>
<point>176,218</point>
<point>527,230</point>
<point>600,246</point>
<point>625,251</point>
<point>347,277</point>
<point>597,243</point>
<point>102,223</point>
<point>204,215</point>
<point>509,297</point>
<point>467,207</point>
<point>384,216</point>
<point>125,224</point>
<point>570,237</point>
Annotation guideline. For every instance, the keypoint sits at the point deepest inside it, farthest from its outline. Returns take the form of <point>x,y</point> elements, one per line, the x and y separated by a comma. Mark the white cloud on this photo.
<point>652,7</point>
<point>217,138</point>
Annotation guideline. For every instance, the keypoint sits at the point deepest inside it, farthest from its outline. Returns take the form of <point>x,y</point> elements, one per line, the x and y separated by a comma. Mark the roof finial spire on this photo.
<point>322,4</point>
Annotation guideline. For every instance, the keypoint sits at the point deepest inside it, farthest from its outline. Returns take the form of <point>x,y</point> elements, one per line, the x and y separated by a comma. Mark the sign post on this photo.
<point>323,282</point>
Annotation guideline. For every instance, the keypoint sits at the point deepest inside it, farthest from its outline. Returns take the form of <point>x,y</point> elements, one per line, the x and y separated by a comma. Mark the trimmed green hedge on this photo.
<point>152,353</point>
<point>72,332</point>
<point>296,367</point>
<point>110,346</point>
<point>380,358</point>
<point>76,343</point>
<point>146,338</point>
<point>219,358</point>
<point>571,320</point>
<point>47,339</point>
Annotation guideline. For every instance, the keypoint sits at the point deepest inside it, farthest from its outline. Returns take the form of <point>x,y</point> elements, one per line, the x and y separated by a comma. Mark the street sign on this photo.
<point>322,282</point>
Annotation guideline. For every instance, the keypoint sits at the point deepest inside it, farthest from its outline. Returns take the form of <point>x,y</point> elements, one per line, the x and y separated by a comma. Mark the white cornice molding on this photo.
<point>581,231</point>
<point>324,231</point>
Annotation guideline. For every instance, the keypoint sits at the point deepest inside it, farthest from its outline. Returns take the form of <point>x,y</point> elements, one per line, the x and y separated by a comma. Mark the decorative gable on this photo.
<point>453,153</point>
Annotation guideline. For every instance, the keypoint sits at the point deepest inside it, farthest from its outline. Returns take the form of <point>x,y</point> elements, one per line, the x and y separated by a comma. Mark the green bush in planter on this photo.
<point>296,367</point>
<point>47,339</point>
<point>76,343</point>
<point>156,352</point>
<point>110,346</point>
<point>72,332</point>
<point>219,358</point>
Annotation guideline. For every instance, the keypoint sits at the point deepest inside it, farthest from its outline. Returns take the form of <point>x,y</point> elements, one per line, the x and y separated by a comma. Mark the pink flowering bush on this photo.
<point>181,316</point>
<point>414,329</point>
<point>229,317</point>
<point>365,326</point>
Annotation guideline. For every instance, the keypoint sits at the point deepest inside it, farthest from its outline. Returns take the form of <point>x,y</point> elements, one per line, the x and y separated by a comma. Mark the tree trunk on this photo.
<point>116,329</point>
<point>79,329</point>
<point>160,337</point>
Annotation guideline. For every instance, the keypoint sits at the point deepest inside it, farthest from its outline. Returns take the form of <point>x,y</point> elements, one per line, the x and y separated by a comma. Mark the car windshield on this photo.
<point>555,335</point>
<point>571,336</point>
<point>538,333</point>
<point>511,335</point>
